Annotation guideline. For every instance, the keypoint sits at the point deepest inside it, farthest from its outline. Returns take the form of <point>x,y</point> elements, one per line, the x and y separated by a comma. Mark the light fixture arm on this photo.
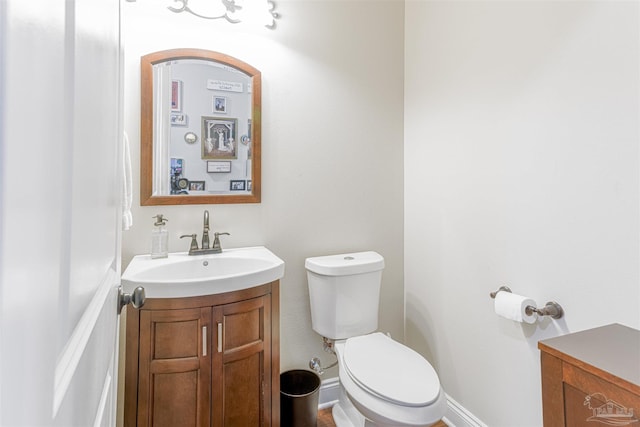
<point>231,11</point>
<point>230,7</point>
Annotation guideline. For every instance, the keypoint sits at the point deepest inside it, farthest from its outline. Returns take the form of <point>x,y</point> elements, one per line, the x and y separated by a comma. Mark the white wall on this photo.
<point>521,168</point>
<point>332,144</point>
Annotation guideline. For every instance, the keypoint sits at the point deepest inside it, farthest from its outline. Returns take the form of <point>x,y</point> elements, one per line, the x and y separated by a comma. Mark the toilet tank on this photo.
<point>344,291</point>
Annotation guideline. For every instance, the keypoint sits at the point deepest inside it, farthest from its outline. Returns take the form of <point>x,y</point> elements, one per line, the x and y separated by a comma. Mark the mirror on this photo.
<point>200,129</point>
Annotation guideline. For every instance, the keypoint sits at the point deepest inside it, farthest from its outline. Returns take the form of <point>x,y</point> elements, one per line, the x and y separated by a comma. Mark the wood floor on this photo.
<point>325,419</point>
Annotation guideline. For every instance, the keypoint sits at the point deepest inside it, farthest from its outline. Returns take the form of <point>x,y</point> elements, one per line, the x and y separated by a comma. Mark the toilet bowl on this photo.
<point>387,383</point>
<point>382,382</point>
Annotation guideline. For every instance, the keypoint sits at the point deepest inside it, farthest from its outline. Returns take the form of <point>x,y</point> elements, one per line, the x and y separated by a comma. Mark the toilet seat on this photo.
<point>390,371</point>
<point>382,411</point>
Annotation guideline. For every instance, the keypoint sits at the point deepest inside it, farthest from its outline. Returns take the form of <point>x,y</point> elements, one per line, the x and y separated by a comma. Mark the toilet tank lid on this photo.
<point>345,264</point>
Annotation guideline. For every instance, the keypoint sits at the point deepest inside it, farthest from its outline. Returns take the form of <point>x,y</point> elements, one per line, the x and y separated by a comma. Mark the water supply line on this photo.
<point>316,365</point>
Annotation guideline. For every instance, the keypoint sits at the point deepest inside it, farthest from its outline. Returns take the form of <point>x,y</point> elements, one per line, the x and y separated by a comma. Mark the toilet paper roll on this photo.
<point>512,306</point>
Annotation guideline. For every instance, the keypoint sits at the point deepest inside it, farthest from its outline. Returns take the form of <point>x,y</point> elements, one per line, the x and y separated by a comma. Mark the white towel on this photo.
<point>127,190</point>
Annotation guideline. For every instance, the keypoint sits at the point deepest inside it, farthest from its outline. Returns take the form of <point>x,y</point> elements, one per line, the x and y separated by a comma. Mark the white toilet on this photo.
<point>382,382</point>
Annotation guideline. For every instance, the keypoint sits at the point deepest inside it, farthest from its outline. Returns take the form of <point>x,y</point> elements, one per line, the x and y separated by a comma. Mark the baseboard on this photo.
<point>329,390</point>
<point>456,415</point>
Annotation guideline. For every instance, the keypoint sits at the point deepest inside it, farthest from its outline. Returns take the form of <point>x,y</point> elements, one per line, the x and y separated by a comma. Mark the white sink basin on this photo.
<point>182,275</point>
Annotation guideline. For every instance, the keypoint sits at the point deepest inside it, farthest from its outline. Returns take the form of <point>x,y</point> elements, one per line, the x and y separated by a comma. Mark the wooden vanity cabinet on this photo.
<point>591,378</point>
<point>204,361</point>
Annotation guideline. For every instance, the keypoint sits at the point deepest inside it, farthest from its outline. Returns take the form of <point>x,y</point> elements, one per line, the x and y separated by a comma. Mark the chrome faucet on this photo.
<point>205,232</point>
<point>206,248</point>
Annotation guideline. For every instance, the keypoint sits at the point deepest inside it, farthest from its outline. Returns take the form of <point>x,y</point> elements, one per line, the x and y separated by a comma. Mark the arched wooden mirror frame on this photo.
<point>147,128</point>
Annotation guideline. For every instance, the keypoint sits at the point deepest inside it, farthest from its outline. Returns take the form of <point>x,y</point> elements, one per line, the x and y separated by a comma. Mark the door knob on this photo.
<point>135,298</point>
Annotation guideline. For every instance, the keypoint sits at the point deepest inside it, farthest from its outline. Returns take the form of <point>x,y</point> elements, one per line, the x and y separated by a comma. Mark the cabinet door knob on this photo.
<point>135,298</point>
<point>219,337</point>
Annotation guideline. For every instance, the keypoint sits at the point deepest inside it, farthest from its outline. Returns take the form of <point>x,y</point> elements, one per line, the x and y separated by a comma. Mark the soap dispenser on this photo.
<point>159,238</point>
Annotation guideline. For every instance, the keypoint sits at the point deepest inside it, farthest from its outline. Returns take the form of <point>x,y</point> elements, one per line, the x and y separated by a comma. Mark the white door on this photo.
<point>60,151</point>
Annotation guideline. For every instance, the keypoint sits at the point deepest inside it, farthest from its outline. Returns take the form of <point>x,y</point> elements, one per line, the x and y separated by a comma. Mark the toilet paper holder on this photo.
<point>551,308</point>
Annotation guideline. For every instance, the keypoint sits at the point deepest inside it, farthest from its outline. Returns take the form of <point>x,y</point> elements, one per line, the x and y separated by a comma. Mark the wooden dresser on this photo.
<point>592,378</point>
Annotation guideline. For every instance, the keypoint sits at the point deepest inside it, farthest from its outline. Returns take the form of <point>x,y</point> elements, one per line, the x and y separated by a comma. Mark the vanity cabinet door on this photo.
<point>175,368</point>
<point>242,363</point>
